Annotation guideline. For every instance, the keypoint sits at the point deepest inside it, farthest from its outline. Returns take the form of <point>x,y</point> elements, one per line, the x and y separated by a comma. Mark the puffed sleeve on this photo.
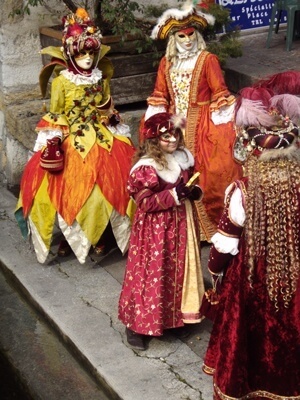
<point>226,240</point>
<point>222,101</point>
<point>56,117</point>
<point>144,187</point>
<point>54,123</point>
<point>57,104</point>
<point>220,95</point>
<point>160,95</point>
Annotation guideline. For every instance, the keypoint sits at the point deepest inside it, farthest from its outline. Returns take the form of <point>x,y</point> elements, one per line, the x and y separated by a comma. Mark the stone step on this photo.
<point>80,302</point>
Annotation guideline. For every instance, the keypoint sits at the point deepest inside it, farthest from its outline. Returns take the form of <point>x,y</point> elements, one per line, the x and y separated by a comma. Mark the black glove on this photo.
<point>182,191</point>
<point>195,192</point>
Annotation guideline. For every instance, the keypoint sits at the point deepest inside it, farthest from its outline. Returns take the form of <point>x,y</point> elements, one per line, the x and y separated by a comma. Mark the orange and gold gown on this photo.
<point>196,89</point>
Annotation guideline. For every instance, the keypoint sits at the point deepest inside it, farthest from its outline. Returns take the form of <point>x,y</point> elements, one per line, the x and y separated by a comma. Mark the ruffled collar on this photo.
<point>78,79</point>
<point>188,54</point>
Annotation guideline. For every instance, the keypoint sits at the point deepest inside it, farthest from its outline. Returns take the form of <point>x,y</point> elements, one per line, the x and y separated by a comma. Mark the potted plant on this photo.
<point>123,19</point>
<point>126,26</point>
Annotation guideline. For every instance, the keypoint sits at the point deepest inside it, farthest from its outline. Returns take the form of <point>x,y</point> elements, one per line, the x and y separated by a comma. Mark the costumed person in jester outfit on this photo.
<point>82,156</point>
<point>163,284</point>
<point>254,349</point>
<point>190,82</point>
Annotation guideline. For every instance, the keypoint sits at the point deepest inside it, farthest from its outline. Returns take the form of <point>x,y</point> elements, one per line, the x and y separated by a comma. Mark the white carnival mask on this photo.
<point>85,59</point>
<point>186,40</point>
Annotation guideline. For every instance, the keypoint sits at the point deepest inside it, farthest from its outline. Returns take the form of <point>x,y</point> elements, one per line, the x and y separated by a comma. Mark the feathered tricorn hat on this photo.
<point>80,33</point>
<point>175,19</point>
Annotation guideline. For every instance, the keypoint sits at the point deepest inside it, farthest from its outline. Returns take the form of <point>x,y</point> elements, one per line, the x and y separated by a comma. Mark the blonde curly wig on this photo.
<point>273,220</point>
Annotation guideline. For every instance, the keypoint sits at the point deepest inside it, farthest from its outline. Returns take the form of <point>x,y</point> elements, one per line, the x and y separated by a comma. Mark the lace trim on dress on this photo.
<point>187,54</point>
<point>77,79</point>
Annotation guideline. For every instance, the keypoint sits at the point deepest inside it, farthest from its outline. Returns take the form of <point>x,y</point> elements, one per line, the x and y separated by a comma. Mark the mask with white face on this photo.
<point>186,40</point>
<point>85,59</point>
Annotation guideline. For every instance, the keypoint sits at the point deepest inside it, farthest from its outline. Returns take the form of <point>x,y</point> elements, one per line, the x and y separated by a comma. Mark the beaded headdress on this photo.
<point>80,33</point>
<point>263,122</point>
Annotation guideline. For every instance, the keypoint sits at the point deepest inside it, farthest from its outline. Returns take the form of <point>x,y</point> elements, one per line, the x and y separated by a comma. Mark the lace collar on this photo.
<point>78,79</point>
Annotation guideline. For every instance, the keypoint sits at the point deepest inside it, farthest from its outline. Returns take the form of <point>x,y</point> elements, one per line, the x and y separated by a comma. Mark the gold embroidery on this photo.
<point>163,206</point>
<point>193,115</point>
<point>254,395</point>
<point>207,229</point>
<point>208,370</point>
<point>203,103</point>
<point>228,234</point>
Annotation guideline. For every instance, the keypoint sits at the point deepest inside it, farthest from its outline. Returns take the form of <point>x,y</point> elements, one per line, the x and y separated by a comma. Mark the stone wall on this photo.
<point>20,107</point>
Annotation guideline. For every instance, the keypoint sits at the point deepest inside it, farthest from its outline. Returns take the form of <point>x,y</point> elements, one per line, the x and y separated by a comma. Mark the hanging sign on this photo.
<point>250,14</point>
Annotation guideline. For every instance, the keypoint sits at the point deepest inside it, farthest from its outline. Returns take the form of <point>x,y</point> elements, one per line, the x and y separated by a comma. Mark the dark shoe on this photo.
<point>135,340</point>
<point>64,249</point>
<point>181,333</point>
<point>100,250</point>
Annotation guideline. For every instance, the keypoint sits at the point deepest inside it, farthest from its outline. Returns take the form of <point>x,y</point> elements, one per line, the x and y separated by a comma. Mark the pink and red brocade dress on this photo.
<point>163,283</point>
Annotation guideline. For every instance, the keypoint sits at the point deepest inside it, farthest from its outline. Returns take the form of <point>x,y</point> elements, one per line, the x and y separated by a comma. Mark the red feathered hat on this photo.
<point>160,123</point>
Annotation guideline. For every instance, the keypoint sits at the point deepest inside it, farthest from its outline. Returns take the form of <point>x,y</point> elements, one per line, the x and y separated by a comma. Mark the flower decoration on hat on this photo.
<point>80,34</point>
<point>174,20</point>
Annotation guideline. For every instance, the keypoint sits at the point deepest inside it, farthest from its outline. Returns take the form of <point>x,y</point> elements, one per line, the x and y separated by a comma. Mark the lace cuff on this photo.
<point>44,135</point>
<point>223,115</point>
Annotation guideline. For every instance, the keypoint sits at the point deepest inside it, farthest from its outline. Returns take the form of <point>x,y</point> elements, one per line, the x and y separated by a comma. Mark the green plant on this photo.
<point>117,17</point>
<point>221,39</point>
<point>114,17</point>
<point>123,17</point>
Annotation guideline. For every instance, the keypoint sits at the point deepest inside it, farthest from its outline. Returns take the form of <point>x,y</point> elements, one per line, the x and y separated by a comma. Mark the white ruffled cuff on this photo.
<point>223,115</point>
<point>120,129</point>
<point>225,244</point>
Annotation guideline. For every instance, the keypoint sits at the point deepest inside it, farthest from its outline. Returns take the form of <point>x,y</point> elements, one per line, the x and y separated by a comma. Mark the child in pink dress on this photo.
<point>163,283</point>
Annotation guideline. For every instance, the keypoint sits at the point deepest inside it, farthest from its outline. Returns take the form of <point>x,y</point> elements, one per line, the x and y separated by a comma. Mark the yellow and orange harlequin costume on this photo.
<point>90,191</point>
